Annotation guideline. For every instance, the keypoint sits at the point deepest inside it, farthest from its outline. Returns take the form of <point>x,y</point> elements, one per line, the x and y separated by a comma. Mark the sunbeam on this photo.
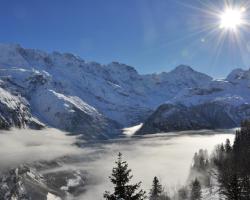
<point>232,18</point>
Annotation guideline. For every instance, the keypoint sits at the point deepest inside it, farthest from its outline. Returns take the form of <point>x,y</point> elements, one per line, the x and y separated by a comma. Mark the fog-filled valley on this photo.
<point>167,156</point>
<point>64,121</point>
<point>27,146</point>
<point>125,100</point>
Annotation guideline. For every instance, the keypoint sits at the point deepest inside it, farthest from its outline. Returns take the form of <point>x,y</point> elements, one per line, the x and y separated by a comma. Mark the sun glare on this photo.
<point>231,18</point>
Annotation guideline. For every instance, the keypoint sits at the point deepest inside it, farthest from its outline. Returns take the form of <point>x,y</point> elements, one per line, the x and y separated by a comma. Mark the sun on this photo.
<point>231,18</point>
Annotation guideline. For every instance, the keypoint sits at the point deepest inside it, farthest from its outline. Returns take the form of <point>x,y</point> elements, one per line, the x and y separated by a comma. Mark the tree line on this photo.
<point>125,190</point>
<point>228,169</point>
<point>233,165</point>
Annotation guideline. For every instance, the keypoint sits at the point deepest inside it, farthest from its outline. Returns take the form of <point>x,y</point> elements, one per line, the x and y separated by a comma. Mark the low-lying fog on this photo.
<point>167,156</point>
<point>25,145</point>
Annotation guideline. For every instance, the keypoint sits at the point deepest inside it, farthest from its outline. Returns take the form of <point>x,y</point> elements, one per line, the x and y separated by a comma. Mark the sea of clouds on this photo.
<point>19,146</point>
<point>168,156</point>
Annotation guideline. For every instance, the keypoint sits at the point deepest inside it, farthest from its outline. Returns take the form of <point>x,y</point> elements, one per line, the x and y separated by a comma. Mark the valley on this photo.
<point>125,100</point>
<point>65,171</point>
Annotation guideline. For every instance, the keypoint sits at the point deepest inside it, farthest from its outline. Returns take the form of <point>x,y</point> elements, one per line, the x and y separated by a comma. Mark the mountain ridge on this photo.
<point>62,88</point>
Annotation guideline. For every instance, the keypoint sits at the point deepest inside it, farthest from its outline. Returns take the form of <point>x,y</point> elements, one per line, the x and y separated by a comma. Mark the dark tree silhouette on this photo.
<point>201,168</point>
<point>121,177</point>
<point>195,190</point>
<point>156,191</point>
<point>228,147</point>
<point>200,161</point>
<point>233,165</point>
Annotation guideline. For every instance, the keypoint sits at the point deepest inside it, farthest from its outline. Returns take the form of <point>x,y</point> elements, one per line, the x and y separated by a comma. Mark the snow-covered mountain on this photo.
<point>66,92</point>
<point>220,104</point>
<point>25,182</point>
<point>15,112</point>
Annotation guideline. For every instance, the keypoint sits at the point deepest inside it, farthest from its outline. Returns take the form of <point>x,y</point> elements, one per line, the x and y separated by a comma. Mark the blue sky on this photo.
<point>150,35</point>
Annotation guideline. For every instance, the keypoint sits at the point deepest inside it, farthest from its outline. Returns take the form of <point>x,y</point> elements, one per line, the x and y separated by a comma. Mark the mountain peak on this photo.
<point>183,68</point>
<point>188,72</point>
<point>116,66</point>
<point>238,74</point>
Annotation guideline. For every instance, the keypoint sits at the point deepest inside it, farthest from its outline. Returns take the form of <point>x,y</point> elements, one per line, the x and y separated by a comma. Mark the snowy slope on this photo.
<point>25,182</point>
<point>15,112</point>
<point>220,104</point>
<point>66,92</point>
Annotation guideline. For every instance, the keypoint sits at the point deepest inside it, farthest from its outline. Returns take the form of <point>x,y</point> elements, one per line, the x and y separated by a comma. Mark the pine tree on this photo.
<point>233,166</point>
<point>121,177</point>
<point>228,146</point>
<point>195,190</point>
<point>156,191</point>
<point>227,176</point>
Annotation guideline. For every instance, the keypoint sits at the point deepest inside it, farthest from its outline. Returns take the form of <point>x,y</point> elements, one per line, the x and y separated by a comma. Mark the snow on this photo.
<point>132,130</point>
<point>210,193</point>
<point>113,90</point>
<point>9,100</point>
<point>52,197</point>
<point>77,102</point>
<point>72,182</point>
<point>61,84</point>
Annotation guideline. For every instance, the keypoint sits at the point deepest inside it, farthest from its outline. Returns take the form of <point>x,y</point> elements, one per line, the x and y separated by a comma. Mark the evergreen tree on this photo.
<point>201,168</point>
<point>156,191</point>
<point>195,190</point>
<point>240,158</point>
<point>227,176</point>
<point>121,177</point>
<point>200,161</point>
<point>228,147</point>
<point>233,166</point>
